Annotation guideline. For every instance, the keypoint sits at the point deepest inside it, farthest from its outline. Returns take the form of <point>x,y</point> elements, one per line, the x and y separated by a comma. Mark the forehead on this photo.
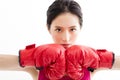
<point>66,20</point>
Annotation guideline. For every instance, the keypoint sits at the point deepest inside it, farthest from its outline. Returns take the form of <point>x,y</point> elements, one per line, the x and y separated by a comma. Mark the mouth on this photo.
<point>66,45</point>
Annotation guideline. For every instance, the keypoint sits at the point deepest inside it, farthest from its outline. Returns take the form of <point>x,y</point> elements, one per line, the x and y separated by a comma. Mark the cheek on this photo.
<point>56,38</point>
<point>74,37</point>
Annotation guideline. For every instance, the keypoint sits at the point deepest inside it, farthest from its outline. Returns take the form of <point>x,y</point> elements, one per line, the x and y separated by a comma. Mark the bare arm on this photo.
<point>33,72</point>
<point>116,64</point>
<point>11,63</point>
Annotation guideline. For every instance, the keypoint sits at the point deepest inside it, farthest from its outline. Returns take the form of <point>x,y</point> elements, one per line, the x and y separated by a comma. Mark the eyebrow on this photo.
<point>72,27</point>
<point>62,27</point>
<point>58,27</point>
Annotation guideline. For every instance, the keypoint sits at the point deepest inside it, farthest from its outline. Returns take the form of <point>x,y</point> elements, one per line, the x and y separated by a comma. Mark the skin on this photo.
<point>11,63</point>
<point>64,30</point>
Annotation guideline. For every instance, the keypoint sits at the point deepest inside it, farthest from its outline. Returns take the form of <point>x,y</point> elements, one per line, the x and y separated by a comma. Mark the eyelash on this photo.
<point>59,30</point>
<point>73,29</point>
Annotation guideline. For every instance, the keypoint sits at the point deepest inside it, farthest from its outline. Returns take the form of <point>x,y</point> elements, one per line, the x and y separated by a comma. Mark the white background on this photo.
<point>23,22</point>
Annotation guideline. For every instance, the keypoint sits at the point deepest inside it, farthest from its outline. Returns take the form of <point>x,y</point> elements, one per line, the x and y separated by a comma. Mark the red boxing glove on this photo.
<point>79,57</point>
<point>50,57</point>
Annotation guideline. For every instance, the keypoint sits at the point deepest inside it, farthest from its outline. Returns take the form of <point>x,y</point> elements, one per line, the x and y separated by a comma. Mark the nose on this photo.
<point>66,36</point>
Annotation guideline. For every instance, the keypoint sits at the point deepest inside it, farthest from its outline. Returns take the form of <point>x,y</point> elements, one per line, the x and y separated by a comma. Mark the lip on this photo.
<point>65,45</point>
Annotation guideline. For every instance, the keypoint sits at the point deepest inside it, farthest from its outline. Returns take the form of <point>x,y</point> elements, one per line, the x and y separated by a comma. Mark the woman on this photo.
<point>64,22</point>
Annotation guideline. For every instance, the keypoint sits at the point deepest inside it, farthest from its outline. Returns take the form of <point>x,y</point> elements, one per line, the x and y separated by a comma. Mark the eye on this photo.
<point>58,30</point>
<point>72,29</point>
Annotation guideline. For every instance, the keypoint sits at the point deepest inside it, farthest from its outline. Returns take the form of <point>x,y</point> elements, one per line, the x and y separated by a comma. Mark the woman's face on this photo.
<point>65,29</point>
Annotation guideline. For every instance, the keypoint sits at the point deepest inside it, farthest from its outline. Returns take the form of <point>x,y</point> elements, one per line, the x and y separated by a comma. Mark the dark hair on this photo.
<point>61,6</point>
